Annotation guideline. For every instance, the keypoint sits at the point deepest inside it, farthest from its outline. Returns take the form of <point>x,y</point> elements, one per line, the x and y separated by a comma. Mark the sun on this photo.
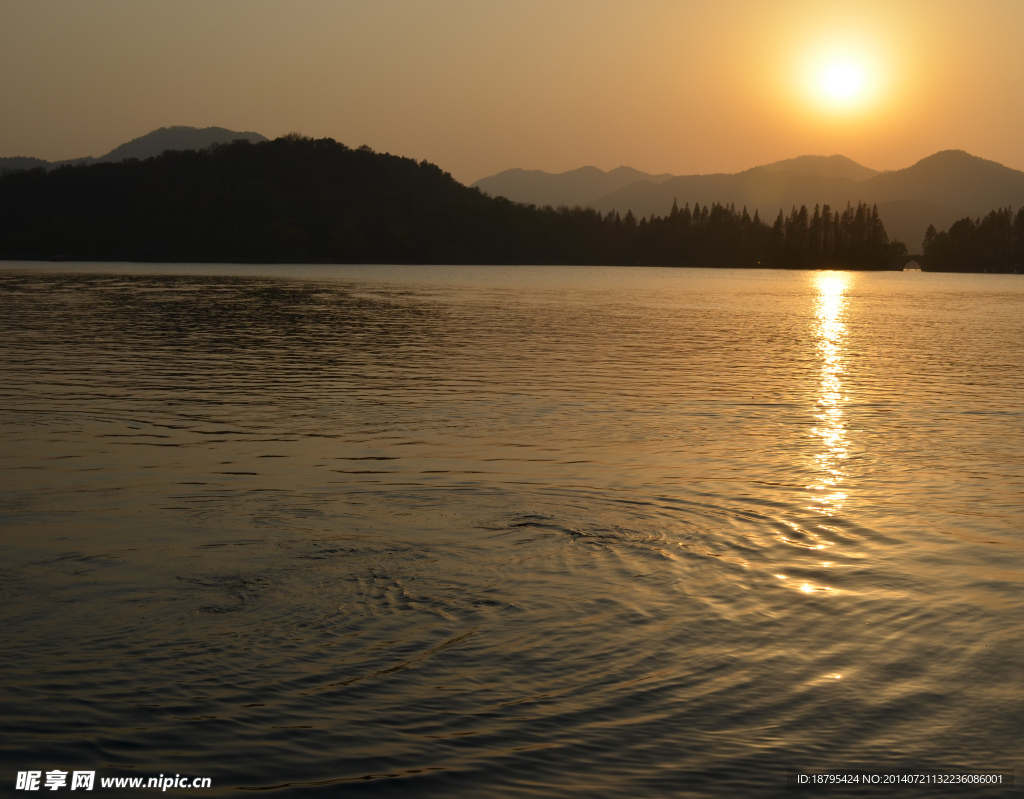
<point>842,82</point>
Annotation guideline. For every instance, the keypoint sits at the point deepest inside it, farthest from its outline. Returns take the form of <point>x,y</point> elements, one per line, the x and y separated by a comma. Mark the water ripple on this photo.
<point>576,532</point>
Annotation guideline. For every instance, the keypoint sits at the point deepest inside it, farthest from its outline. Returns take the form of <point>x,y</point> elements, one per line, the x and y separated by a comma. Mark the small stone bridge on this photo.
<point>905,260</point>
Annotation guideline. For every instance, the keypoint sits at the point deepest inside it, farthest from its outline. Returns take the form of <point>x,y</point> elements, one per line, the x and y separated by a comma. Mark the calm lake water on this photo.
<point>483,531</point>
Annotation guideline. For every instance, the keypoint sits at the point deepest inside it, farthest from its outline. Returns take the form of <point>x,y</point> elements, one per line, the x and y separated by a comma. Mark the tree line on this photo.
<point>853,238</point>
<point>302,200</point>
<point>994,243</point>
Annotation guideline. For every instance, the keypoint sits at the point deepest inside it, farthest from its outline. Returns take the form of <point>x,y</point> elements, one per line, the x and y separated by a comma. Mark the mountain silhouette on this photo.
<point>177,137</point>
<point>937,190</point>
<point>952,178</point>
<point>20,162</point>
<point>576,187</point>
<point>300,200</point>
<point>588,185</point>
<point>823,166</point>
<point>906,212</point>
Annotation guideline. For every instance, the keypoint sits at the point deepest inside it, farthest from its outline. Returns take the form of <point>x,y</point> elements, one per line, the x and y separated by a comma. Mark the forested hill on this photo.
<point>301,200</point>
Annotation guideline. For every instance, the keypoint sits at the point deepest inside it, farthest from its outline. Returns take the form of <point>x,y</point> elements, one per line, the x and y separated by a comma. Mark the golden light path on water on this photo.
<point>831,429</point>
<point>827,496</point>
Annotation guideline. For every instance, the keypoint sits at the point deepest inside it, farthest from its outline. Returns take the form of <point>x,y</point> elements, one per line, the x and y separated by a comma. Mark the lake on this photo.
<point>493,531</point>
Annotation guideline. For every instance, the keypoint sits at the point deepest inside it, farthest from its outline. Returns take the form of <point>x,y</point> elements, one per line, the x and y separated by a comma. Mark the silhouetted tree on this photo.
<point>994,243</point>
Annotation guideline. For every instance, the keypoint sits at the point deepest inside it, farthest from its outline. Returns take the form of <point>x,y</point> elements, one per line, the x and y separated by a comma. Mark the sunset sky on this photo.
<point>481,86</point>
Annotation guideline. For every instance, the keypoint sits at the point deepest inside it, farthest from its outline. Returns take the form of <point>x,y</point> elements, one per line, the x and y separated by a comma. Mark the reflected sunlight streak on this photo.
<point>830,331</point>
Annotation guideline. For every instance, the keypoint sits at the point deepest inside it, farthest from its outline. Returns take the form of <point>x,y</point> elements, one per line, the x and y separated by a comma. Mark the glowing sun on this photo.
<point>842,82</point>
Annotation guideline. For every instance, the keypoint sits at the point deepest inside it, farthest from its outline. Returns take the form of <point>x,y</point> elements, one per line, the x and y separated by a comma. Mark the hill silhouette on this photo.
<point>940,189</point>
<point>587,186</point>
<point>936,190</point>
<point>178,137</point>
<point>951,178</point>
<point>823,166</point>
<point>302,200</point>
<point>20,162</point>
<point>576,187</point>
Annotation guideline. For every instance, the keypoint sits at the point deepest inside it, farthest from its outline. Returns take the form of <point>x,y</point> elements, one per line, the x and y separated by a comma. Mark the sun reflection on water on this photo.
<point>830,330</point>
<point>826,491</point>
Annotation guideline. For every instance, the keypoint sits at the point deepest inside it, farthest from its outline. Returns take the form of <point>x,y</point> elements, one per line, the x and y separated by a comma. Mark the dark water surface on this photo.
<point>482,531</point>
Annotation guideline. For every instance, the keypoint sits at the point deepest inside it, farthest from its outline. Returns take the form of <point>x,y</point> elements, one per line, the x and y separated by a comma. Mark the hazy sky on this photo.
<point>481,86</point>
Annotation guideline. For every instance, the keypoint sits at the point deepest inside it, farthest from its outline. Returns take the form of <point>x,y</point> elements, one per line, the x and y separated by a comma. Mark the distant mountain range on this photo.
<point>937,190</point>
<point>578,187</point>
<point>178,137</point>
<point>302,200</point>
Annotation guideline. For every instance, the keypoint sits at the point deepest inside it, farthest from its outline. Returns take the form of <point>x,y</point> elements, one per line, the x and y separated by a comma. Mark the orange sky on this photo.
<point>478,86</point>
